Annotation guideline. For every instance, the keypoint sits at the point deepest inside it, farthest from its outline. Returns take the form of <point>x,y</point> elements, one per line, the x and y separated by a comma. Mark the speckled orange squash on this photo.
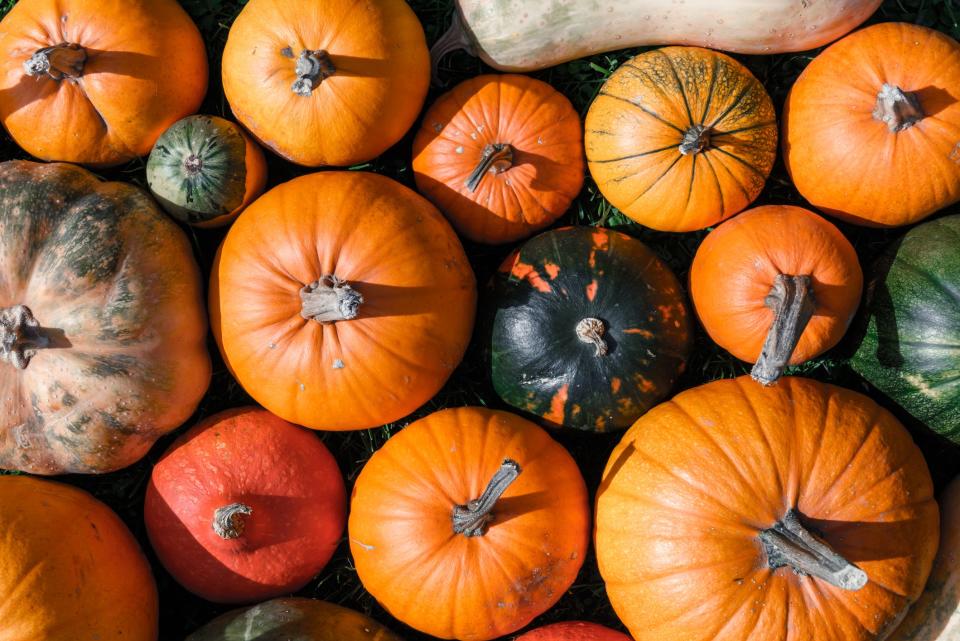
<point>681,138</point>
<point>469,523</point>
<point>501,156</point>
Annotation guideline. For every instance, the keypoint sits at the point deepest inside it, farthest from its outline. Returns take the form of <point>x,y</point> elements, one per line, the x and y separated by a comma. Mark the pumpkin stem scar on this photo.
<point>472,519</point>
<point>496,158</point>
<point>789,543</point>
<point>20,336</point>
<point>329,300</point>
<point>695,140</point>
<point>591,330</point>
<point>228,521</point>
<point>64,60</point>
<point>193,164</point>
<point>791,300</point>
<point>313,67</point>
<point>897,108</point>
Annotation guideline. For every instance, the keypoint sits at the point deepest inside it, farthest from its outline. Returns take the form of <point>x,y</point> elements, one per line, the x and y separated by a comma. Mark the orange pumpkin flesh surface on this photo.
<point>501,156</point>
<point>69,568</point>
<point>737,511</point>
<point>326,82</point>
<point>573,631</point>
<point>97,81</point>
<point>681,138</point>
<point>245,507</point>
<point>342,300</point>
<point>871,127</point>
<point>469,523</point>
<point>776,285</point>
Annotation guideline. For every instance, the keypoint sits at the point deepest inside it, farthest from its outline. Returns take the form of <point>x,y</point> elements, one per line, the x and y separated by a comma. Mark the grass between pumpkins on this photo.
<point>181,612</point>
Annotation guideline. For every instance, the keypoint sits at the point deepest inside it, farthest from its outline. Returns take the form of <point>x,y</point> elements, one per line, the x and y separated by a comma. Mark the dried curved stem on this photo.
<point>472,519</point>
<point>229,521</point>
<point>64,60</point>
<point>897,108</point>
<point>591,330</point>
<point>329,300</point>
<point>497,157</point>
<point>313,67</point>
<point>20,336</point>
<point>695,140</point>
<point>791,300</point>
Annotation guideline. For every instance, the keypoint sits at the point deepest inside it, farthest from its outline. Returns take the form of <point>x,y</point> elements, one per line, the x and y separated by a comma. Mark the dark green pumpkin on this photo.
<point>554,296</point>
<point>293,619</point>
<point>910,348</point>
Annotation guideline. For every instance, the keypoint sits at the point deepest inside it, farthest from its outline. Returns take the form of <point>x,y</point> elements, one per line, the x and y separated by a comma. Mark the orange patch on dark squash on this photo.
<point>601,239</point>
<point>646,333</point>
<point>615,384</point>
<point>592,290</point>
<point>557,405</point>
<point>524,271</point>
<point>552,269</point>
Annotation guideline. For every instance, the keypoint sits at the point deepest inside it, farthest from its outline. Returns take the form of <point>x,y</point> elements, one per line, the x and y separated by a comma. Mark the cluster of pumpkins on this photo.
<point>771,508</point>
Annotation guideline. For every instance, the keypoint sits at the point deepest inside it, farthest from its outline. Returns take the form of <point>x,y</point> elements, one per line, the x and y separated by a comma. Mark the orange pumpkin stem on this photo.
<point>791,300</point>
<point>496,158</point>
<point>313,67</point>
<point>64,60</point>
<point>20,336</point>
<point>899,109</point>
<point>591,330</point>
<point>789,544</point>
<point>329,300</point>
<point>472,519</point>
<point>695,140</point>
<point>229,522</point>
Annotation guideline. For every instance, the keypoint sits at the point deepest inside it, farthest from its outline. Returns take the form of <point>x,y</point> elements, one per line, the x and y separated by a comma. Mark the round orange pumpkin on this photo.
<point>573,631</point>
<point>97,81</point>
<point>501,156</point>
<point>776,286</point>
<point>69,568</point>
<point>738,511</point>
<point>872,126</point>
<point>326,82</point>
<point>342,300</point>
<point>469,523</point>
<point>681,138</point>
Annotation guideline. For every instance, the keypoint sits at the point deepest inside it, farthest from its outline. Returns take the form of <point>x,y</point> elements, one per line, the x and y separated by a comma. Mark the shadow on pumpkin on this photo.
<point>865,541</point>
<point>934,100</point>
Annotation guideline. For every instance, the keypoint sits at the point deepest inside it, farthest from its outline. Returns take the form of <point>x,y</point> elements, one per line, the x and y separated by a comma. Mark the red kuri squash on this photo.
<point>573,631</point>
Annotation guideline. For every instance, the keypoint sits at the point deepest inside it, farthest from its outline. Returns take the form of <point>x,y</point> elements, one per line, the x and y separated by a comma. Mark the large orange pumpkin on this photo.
<point>681,138</point>
<point>776,285</point>
<point>97,81</point>
<point>738,511</point>
<point>69,568</point>
<point>342,300</point>
<point>469,523</point>
<point>326,82</point>
<point>501,156</point>
<point>872,126</point>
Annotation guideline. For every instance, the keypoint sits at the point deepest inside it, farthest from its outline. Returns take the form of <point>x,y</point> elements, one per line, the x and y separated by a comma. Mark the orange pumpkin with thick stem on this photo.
<point>342,300</point>
<point>871,129</point>
<point>469,523</point>
<point>738,511</point>
<point>326,82</point>
<point>97,81</point>
<point>501,156</point>
<point>776,286</point>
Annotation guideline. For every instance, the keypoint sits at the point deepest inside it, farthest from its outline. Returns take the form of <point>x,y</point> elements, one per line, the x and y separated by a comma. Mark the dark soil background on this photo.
<point>181,612</point>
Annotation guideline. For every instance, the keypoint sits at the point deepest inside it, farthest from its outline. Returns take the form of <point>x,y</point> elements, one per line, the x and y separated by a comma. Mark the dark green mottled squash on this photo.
<point>589,329</point>
<point>205,170</point>
<point>102,326</point>
<point>910,348</point>
<point>293,619</point>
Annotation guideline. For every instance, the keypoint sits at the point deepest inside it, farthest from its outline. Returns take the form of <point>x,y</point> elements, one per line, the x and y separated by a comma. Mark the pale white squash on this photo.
<point>524,35</point>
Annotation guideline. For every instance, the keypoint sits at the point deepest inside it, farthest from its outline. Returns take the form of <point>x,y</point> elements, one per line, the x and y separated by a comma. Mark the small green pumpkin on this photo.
<point>205,170</point>
<point>910,348</point>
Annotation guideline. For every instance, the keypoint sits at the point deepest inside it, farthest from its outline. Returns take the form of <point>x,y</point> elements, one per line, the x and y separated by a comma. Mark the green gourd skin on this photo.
<point>198,170</point>
<point>910,348</point>
<point>293,619</point>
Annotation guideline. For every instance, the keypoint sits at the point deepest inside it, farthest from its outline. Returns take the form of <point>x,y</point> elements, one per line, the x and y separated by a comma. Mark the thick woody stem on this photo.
<point>312,68</point>
<point>591,330</point>
<point>64,60</point>
<point>472,519</point>
<point>789,543</point>
<point>695,140</point>
<point>791,300</point>
<point>229,521</point>
<point>897,108</point>
<point>496,158</point>
<point>20,336</point>
<point>329,300</point>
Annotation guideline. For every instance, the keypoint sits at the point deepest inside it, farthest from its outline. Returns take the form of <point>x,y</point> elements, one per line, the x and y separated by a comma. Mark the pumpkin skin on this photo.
<point>145,67</point>
<point>535,145</point>
<point>245,507</point>
<point>205,170</point>
<point>371,73</point>
<point>483,586</point>
<point>293,619</point>
<point>543,292</point>
<point>693,493</point>
<point>69,568</point>
<point>832,141</point>
<point>573,631</point>
<point>411,329</point>
<point>736,267</point>
<point>681,138</point>
<point>910,348</point>
<point>102,327</point>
